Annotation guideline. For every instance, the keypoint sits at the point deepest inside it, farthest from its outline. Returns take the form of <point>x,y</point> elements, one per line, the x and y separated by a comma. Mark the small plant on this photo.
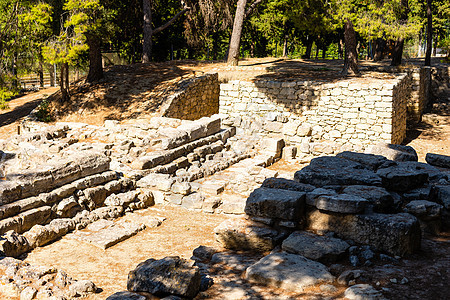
<point>5,95</point>
<point>43,112</point>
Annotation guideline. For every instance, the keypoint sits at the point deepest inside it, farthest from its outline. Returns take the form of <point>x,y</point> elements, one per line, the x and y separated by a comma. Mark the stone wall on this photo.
<point>195,98</point>
<point>421,94</point>
<point>354,112</point>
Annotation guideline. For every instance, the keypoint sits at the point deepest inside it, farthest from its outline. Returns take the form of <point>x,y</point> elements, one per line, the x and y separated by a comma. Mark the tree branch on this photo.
<point>161,28</point>
<point>252,7</point>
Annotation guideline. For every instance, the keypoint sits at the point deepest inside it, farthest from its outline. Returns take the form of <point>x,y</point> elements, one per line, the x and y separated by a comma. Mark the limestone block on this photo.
<point>193,201</point>
<point>96,194</point>
<point>276,203</point>
<point>315,247</point>
<point>342,203</point>
<point>289,272</point>
<point>286,184</point>
<point>148,162</point>
<point>12,244</point>
<point>394,152</point>
<point>438,160</point>
<point>244,234</point>
<point>170,275</point>
<point>424,210</point>
<point>399,178</point>
<point>369,161</point>
<point>397,234</point>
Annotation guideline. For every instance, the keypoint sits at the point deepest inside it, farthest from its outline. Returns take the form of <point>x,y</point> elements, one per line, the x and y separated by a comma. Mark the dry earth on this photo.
<point>428,272</point>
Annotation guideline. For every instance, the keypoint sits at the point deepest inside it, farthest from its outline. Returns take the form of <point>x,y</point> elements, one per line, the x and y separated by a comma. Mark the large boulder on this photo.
<point>341,203</point>
<point>438,160</point>
<point>379,198</point>
<point>171,275</point>
<point>396,234</point>
<point>401,179</point>
<point>286,184</point>
<point>276,203</point>
<point>244,234</point>
<point>363,292</point>
<point>315,247</point>
<point>370,161</point>
<point>288,271</point>
<point>393,152</point>
<point>329,170</point>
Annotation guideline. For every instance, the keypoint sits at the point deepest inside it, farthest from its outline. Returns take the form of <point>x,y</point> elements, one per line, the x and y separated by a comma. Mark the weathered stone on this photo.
<point>28,293</point>
<point>315,247</point>
<point>193,201</point>
<point>289,153</point>
<point>170,275</point>
<point>438,160</point>
<point>24,221</point>
<point>342,203</point>
<point>369,161</point>
<point>125,295</point>
<point>151,180</point>
<point>433,172</point>
<point>148,162</point>
<point>96,194</point>
<point>39,235</point>
<point>105,234</point>
<point>393,152</point>
<point>183,188</point>
<point>210,204</point>
<point>397,234</point>
<point>233,204</point>
<point>272,146</point>
<point>441,194</point>
<point>401,179</point>
<point>173,138</point>
<point>276,203</point>
<point>424,210</point>
<point>122,199</point>
<point>312,196</point>
<point>363,292</point>
<point>13,244</point>
<point>381,199</point>
<point>67,207</point>
<point>286,184</point>
<point>329,170</point>
<point>9,191</point>
<point>82,287</point>
<point>243,234</point>
<point>288,271</point>
<point>165,184</point>
<point>62,226</point>
<point>109,212</point>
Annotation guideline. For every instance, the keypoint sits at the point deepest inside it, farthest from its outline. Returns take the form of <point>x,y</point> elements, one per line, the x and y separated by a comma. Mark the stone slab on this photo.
<point>276,203</point>
<point>287,271</point>
<point>315,247</point>
<point>104,233</point>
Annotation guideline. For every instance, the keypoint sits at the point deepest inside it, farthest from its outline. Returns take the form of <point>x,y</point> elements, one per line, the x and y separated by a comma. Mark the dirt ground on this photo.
<point>428,272</point>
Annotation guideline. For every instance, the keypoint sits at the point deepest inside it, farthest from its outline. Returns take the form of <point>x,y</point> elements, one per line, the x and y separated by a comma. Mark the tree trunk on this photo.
<point>309,43</point>
<point>380,44</point>
<point>285,46</point>
<point>95,59</point>
<point>41,75</point>
<point>148,32</point>
<point>429,34</point>
<point>397,52</point>
<point>52,75</point>
<point>317,52</point>
<point>340,52</point>
<point>351,56</point>
<point>64,82</point>
<point>235,41</point>
<point>435,44</point>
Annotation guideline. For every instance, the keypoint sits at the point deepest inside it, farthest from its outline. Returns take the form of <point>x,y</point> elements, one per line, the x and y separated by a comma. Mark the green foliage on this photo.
<point>43,113</point>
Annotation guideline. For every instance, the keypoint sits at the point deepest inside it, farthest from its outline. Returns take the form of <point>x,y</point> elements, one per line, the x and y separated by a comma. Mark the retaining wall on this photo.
<point>356,111</point>
<point>194,98</point>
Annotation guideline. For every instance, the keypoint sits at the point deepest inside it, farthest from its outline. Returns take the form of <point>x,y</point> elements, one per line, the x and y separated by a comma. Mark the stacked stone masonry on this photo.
<point>195,98</point>
<point>356,111</point>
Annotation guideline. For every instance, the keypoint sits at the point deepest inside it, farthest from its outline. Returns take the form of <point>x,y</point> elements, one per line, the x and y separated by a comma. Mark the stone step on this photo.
<point>166,157</point>
<point>33,182</point>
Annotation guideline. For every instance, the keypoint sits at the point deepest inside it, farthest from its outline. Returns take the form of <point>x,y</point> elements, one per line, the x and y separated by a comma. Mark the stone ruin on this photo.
<point>58,180</point>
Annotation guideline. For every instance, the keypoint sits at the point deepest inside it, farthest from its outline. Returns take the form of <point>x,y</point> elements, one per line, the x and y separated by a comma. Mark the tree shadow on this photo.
<point>18,112</point>
<point>127,90</point>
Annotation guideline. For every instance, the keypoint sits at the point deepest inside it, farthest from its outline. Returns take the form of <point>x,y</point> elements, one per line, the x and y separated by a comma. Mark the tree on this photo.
<point>23,27</point>
<point>235,40</point>
<point>429,34</point>
<point>149,31</point>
